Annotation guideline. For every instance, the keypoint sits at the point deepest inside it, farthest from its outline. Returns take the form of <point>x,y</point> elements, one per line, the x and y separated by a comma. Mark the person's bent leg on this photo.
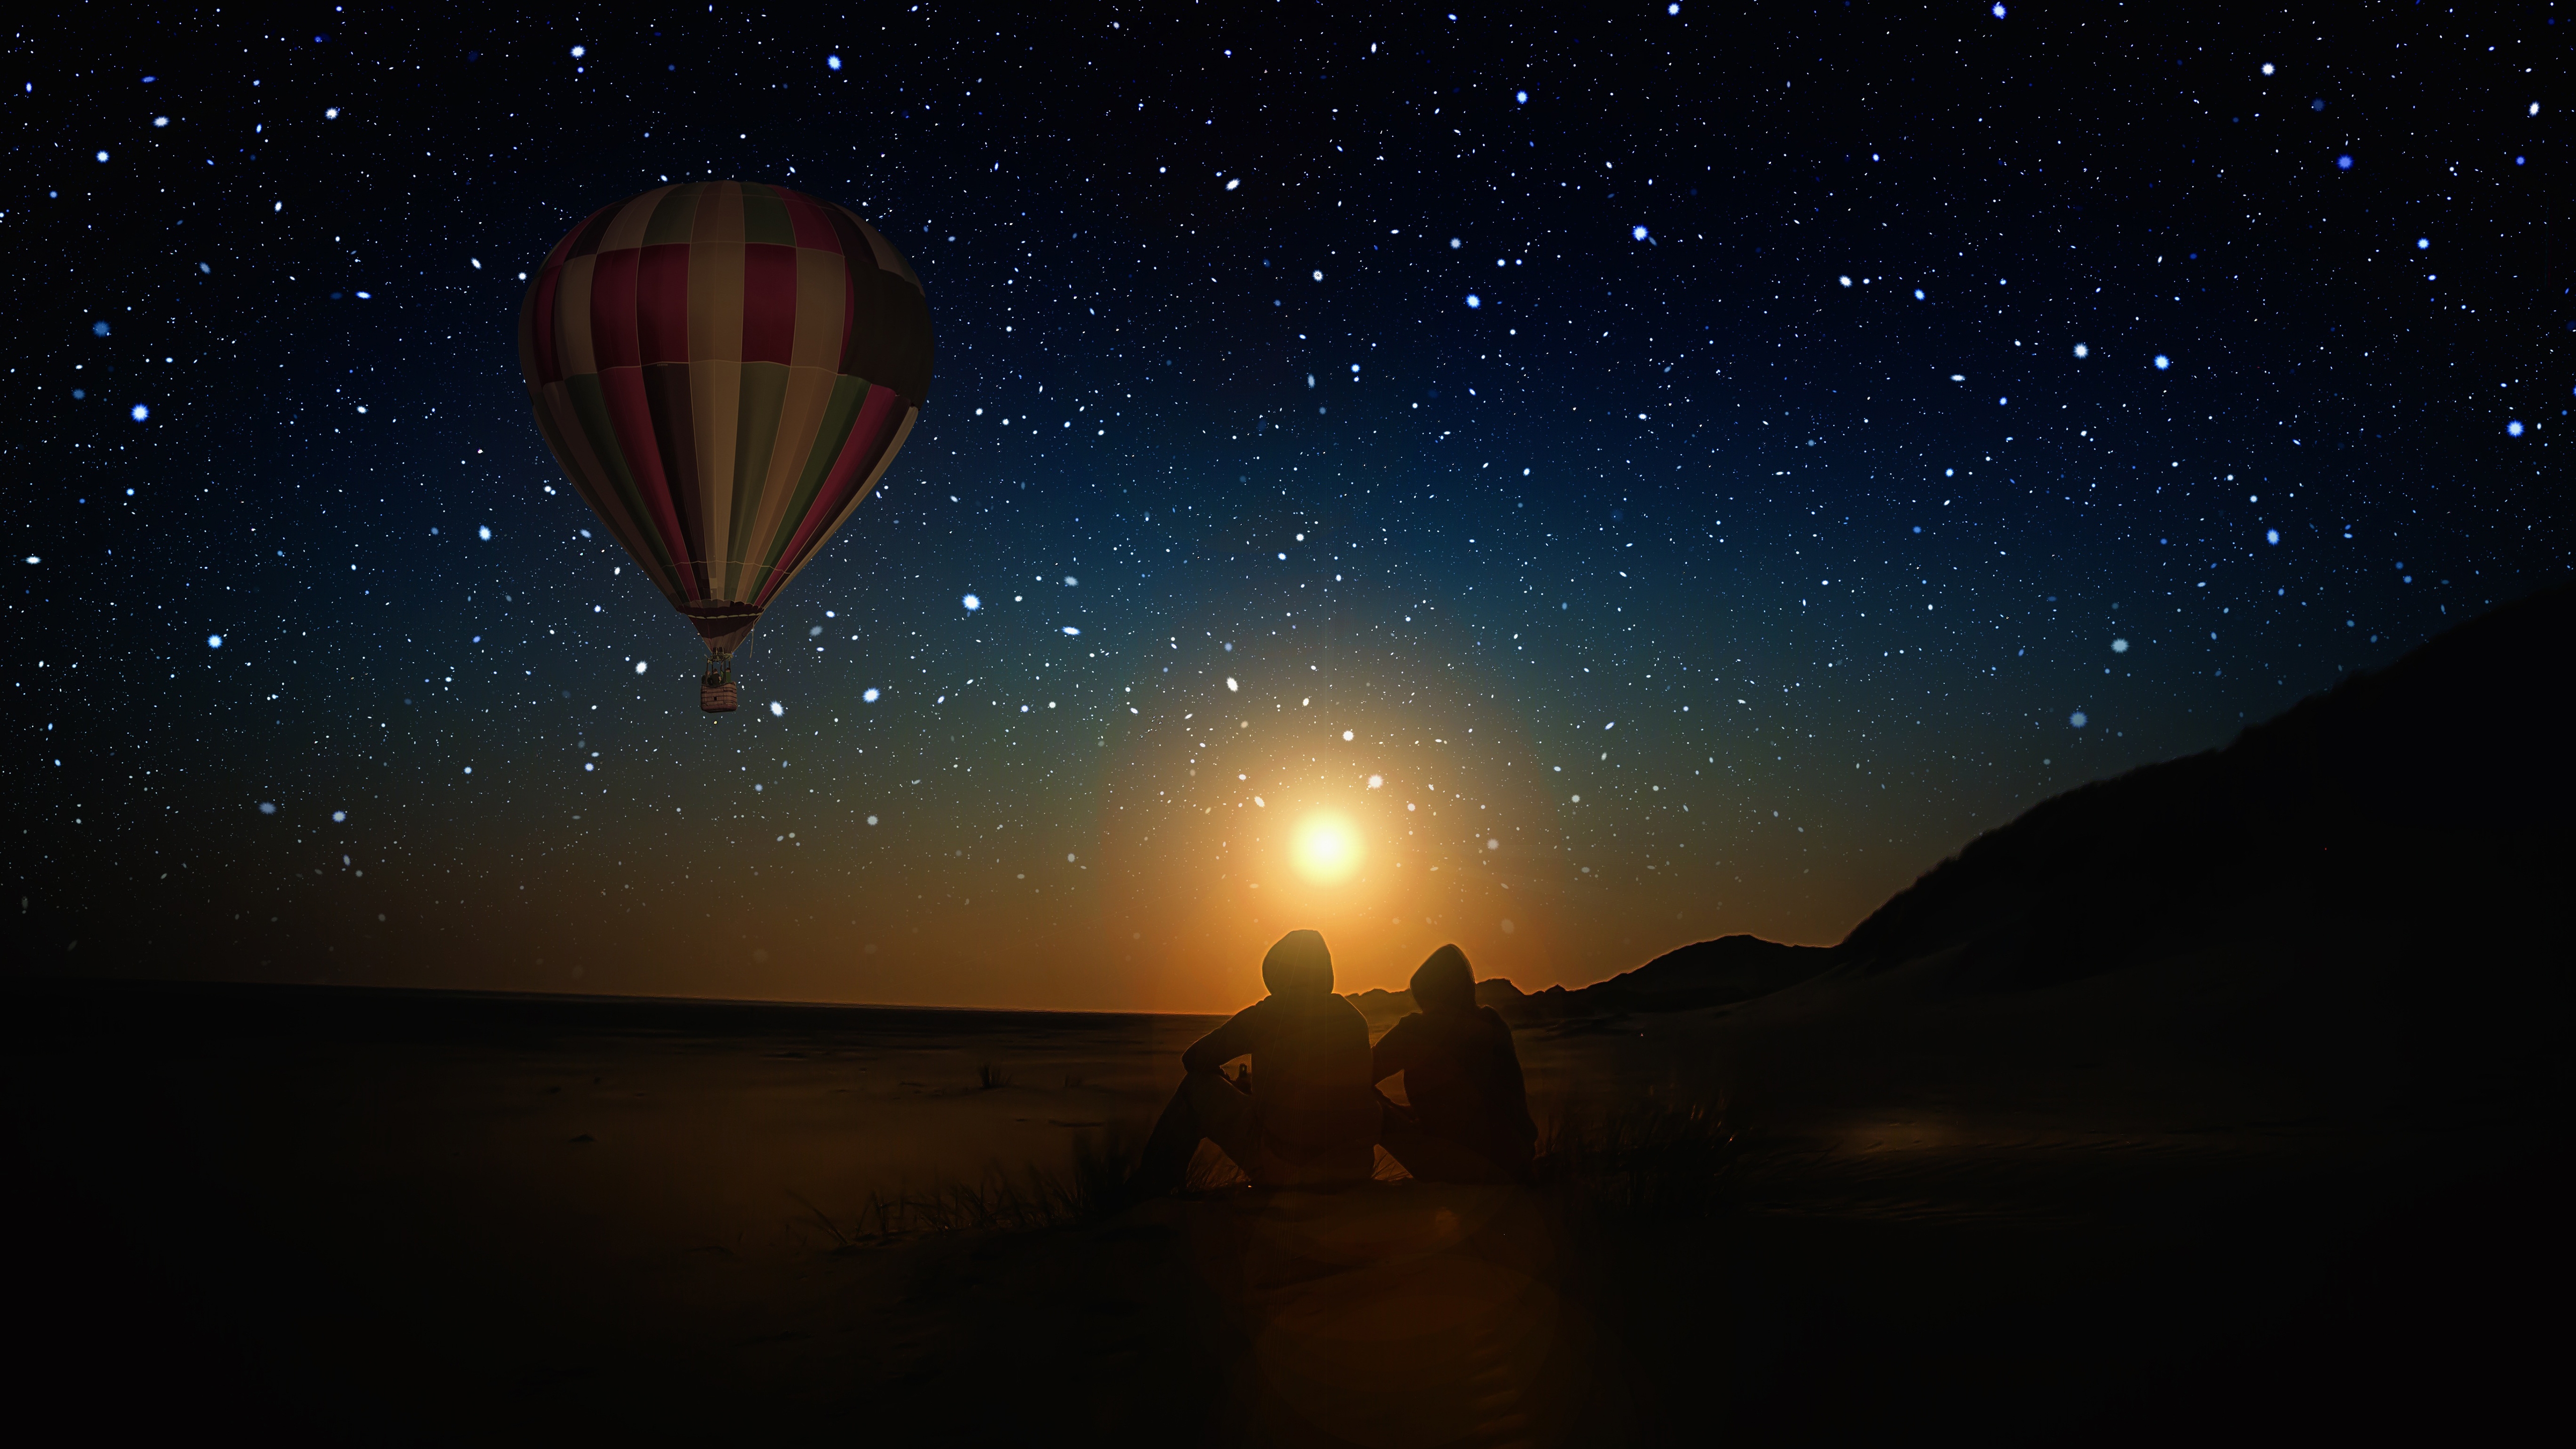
<point>1205,1107</point>
<point>1168,1148</point>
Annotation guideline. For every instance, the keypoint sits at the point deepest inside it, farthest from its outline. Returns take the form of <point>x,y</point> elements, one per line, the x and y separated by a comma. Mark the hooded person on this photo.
<point>1468,1118</point>
<point>1306,1115</point>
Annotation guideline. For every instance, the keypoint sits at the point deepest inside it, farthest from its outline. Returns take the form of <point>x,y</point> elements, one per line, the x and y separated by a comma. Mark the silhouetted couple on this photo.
<point>1308,1112</point>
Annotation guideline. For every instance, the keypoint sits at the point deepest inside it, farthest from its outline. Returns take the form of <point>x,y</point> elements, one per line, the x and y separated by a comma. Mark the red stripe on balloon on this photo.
<point>768,303</point>
<point>541,325</point>
<point>662,304</point>
<point>612,309</point>
<point>813,228</point>
<point>879,415</point>
<point>630,412</point>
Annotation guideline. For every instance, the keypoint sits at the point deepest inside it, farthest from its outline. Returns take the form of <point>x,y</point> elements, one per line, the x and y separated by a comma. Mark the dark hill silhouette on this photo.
<point>2420,812</point>
<point>2395,824</point>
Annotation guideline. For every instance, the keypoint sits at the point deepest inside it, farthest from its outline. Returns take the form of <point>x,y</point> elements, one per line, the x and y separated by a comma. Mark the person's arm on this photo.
<point>1392,1050</point>
<point>1237,1037</point>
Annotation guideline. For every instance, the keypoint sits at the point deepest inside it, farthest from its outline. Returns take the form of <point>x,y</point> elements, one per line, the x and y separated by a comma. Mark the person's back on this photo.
<point>1311,1096</point>
<point>1311,1116</point>
<point>1469,1116</point>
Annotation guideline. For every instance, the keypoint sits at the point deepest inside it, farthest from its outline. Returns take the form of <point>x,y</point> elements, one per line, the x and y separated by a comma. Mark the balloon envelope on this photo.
<point>723,370</point>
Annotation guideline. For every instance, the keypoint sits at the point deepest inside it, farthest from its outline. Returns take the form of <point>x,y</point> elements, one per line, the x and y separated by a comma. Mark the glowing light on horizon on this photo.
<point>1327,850</point>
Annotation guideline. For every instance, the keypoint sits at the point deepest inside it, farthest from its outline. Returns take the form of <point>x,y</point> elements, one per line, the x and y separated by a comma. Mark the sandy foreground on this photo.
<point>418,1222</point>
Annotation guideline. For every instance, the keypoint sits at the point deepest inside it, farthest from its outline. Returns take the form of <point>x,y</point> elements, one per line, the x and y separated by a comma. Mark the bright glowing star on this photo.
<point>2271,535</point>
<point>1319,276</point>
<point>1346,735</point>
<point>2083,351</point>
<point>579,51</point>
<point>777,710</point>
<point>972,603</point>
<point>214,641</point>
<point>2267,67</point>
<point>1846,281</point>
<point>641,666</point>
<point>1071,630</point>
<point>2343,163</point>
<point>2163,362</point>
<point>832,61</point>
<point>868,695</point>
<point>331,113</point>
<point>1327,851</point>
<point>1637,233</point>
<point>141,412</point>
<point>338,816</point>
<point>1377,782</point>
<point>267,807</point>
<point>102,156</point>
<point>1474,301</point>
<point>2077,719</point>
<point>1455,243</point>
<point>1522,98</point>
<point>1493,845</point>
<point>1999,12</point>
<point>1230,685</point>
<point>484,533</point>
<point>1233,182</point>
<point>2119,646</point>
<point>2423,243</point>
<point>872,820</point>
<point>2513,428</point>
<point>1918,294</point>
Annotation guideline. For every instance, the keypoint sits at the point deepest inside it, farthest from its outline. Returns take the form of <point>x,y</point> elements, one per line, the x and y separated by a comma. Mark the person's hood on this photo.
<point>1445,983</point>
<point>1300,965</point>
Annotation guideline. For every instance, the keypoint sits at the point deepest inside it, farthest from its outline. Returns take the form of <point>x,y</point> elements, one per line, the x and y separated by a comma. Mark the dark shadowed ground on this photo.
<point>429,1220</point>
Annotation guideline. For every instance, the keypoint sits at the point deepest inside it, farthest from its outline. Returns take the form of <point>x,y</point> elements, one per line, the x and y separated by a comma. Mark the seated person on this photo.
<point>1308,1115</point>
<point>1469,1120</point>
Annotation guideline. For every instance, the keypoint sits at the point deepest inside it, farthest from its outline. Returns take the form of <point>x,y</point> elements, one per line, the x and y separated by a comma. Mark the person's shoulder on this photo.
<point>1494,1019</point>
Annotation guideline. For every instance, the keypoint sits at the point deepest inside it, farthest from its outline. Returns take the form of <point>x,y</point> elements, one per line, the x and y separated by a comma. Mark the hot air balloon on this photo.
<point>723,370</point>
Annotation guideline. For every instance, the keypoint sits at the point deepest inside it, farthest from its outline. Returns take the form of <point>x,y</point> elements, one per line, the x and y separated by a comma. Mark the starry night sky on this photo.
<point>1705,467</point>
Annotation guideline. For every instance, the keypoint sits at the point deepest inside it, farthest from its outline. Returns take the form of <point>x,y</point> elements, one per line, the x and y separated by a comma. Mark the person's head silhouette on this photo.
<point>1444,983</point>
<point>1300,965</point>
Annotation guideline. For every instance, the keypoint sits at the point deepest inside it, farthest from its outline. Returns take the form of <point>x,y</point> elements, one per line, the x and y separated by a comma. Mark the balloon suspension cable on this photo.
<point>716,693</point>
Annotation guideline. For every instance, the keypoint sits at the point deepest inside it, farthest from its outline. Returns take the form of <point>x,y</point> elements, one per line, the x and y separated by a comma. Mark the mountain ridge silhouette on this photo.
<point>2421,808</point>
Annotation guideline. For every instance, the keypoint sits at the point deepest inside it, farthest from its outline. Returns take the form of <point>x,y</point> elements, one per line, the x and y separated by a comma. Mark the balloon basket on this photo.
<point>715,690</point>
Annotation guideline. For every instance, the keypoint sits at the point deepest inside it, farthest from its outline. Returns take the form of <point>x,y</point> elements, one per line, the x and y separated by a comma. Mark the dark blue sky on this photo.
<point>1808,437</point>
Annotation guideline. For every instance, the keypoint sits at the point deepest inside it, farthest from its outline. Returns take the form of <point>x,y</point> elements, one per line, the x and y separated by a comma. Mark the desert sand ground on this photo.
<point>386,1223</point>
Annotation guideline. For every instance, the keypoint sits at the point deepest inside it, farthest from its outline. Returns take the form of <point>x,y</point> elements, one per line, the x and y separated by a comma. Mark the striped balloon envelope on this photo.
<point>724,370</point>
